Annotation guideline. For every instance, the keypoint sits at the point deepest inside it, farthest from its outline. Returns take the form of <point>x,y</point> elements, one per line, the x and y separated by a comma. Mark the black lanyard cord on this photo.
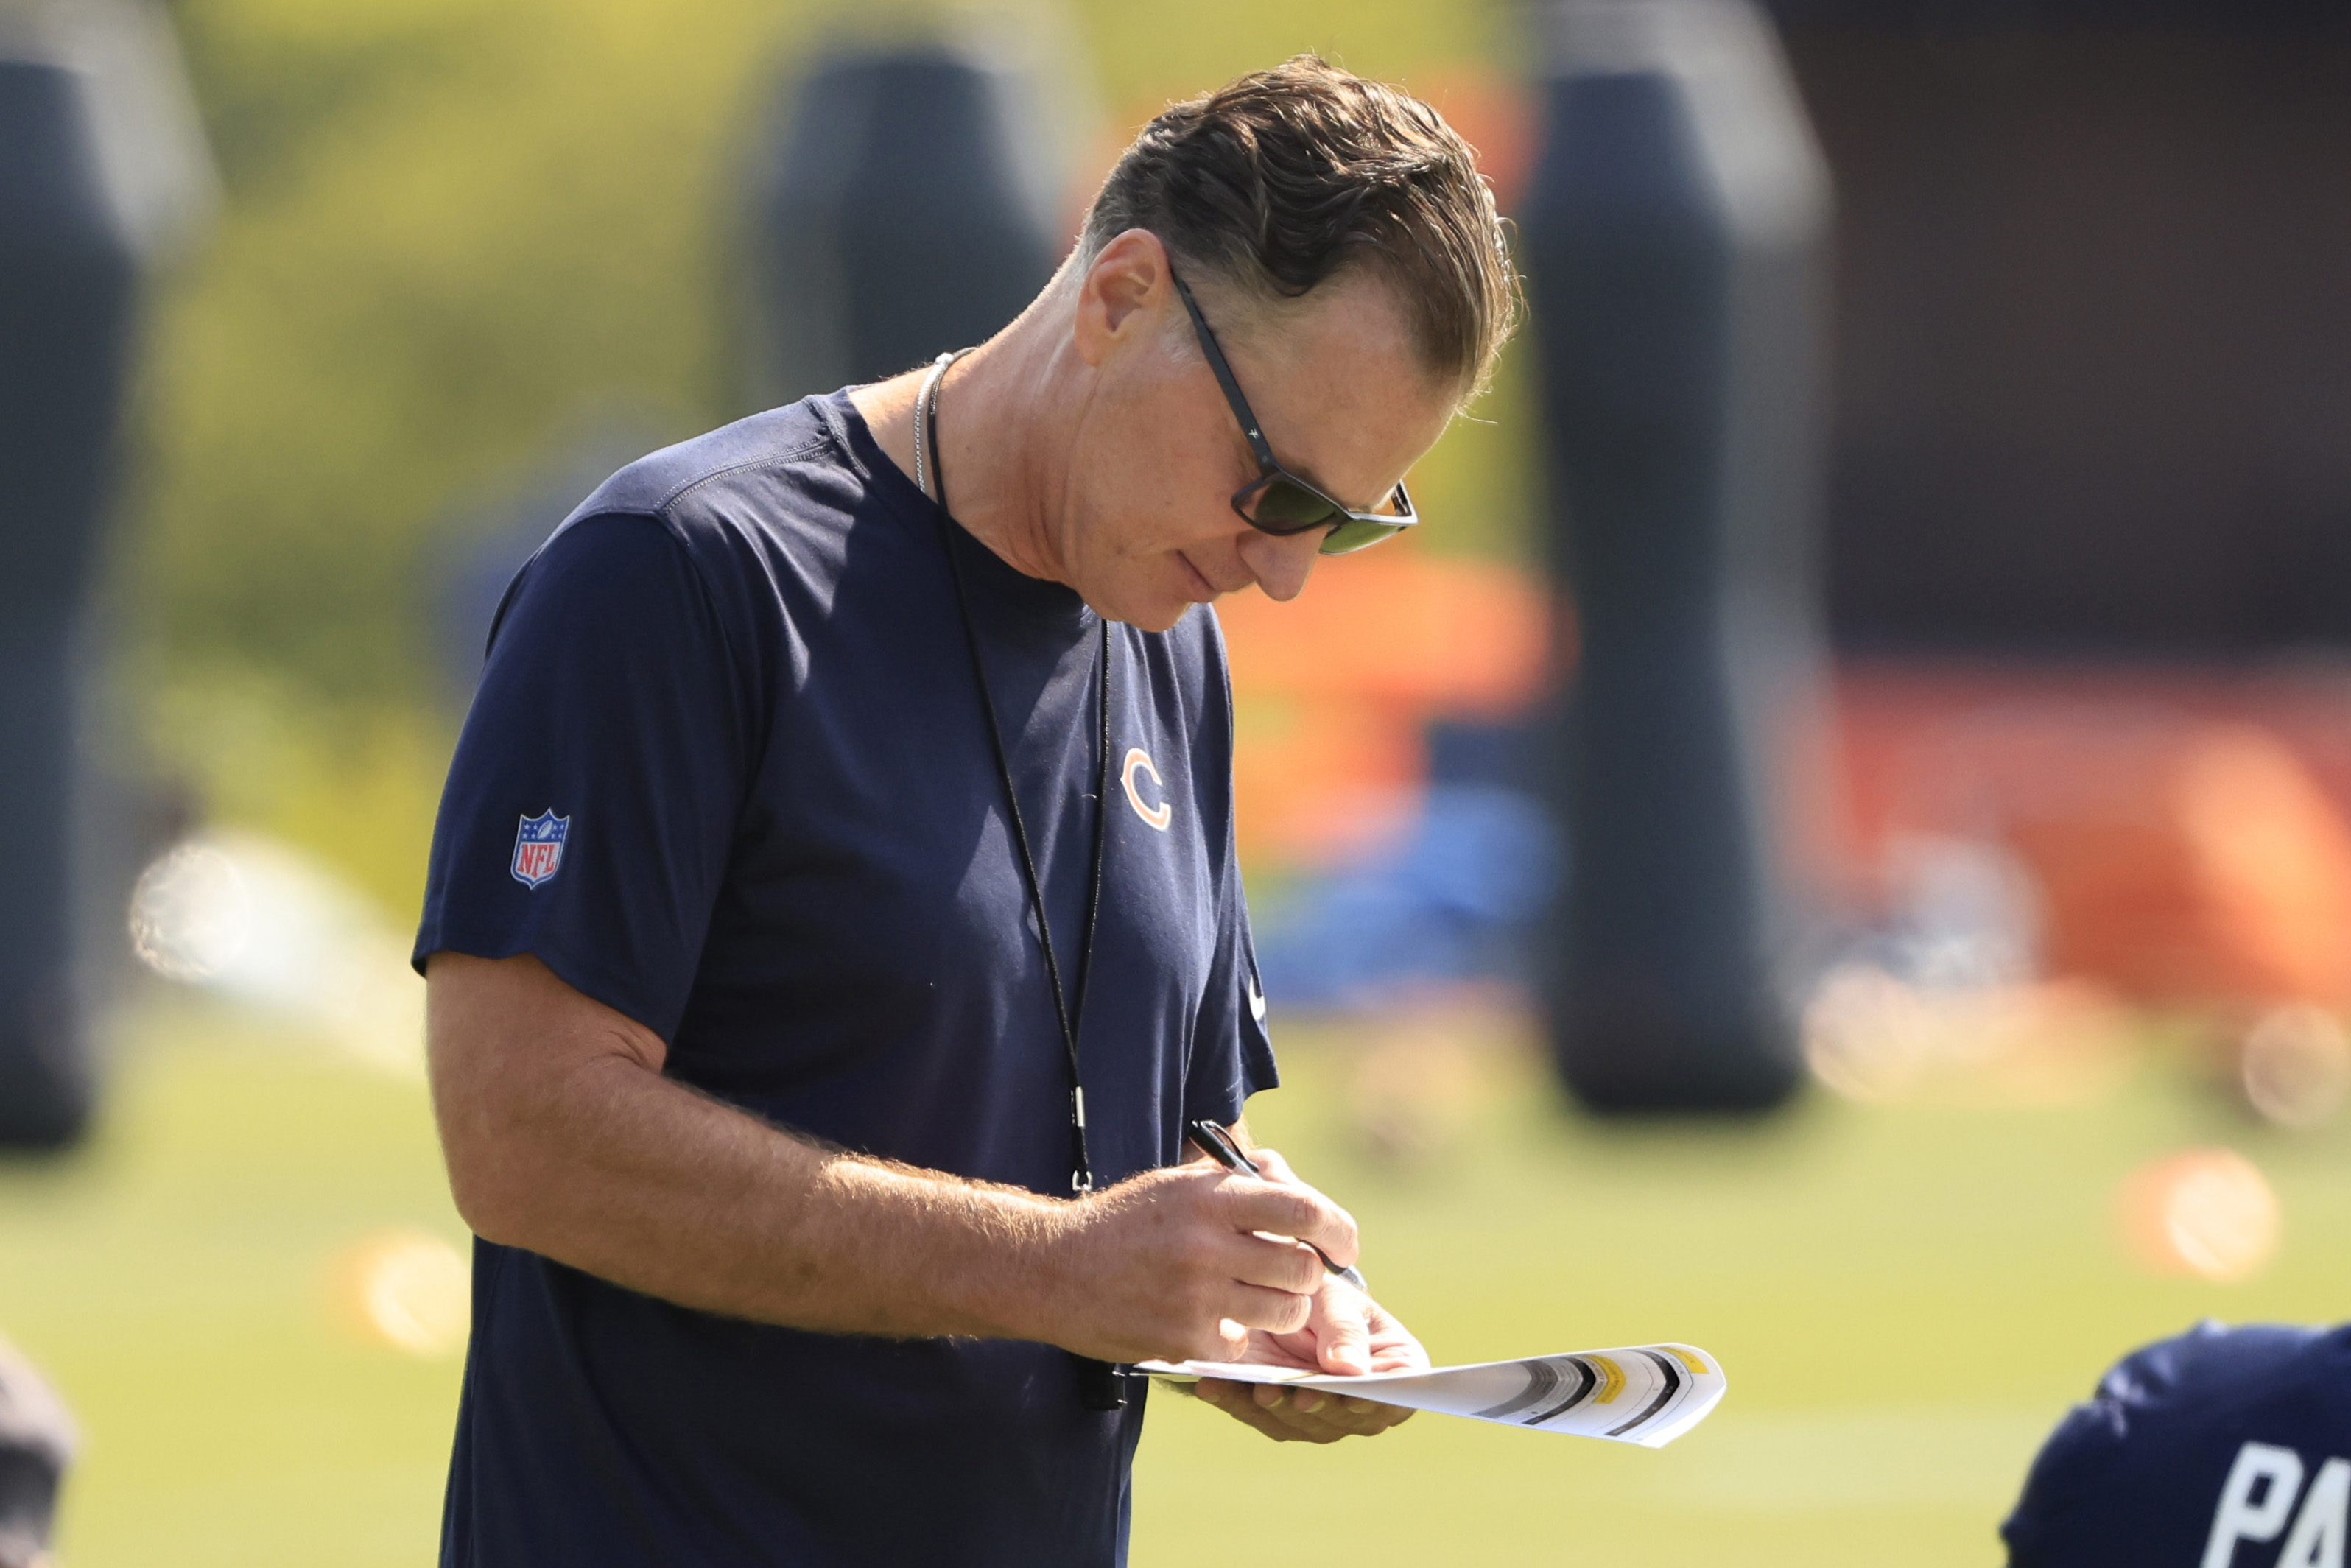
<point>1070,1017</point>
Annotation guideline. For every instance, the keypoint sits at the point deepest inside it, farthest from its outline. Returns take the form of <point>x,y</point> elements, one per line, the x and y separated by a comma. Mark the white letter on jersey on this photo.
<point>2239,1517</point>
<point>2317,1538</point>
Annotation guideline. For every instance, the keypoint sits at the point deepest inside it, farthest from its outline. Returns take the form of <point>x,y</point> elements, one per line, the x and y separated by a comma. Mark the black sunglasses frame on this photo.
<point>1270,471</point>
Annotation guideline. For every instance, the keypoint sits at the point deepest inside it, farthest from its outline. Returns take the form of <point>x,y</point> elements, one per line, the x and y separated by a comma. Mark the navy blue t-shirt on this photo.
<point>2214,1446</point>
<point>728,773</point>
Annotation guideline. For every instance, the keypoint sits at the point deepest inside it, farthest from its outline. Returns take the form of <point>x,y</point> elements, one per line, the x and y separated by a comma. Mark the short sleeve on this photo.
<point>592,807</point>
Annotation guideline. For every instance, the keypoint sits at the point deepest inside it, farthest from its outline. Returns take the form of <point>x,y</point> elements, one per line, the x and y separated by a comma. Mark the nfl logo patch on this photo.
<point>538,847</point>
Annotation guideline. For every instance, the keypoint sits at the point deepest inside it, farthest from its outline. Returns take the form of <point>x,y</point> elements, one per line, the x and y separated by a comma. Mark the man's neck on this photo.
<point>991,413</point>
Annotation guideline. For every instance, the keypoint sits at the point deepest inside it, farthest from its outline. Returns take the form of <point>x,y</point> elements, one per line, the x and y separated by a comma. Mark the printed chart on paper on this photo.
<point>1646,1393</point>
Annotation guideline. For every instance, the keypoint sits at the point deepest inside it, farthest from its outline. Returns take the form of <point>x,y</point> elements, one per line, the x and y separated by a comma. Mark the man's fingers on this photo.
<point>1235,1400</point>
<point>1275,1207</point>
<point>1275,1311</point>
<point>1300,1415</point>
<point>1393,1348</point>
<point>1289,1210</point>
<point>1174,1250</point>
<point>1276,1264</point>
<point>1343,1337</point>
<point>1297,1401</point>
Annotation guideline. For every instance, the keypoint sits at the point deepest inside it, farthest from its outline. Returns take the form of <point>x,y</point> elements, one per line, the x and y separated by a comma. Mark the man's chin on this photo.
<point>1155,612</point>
<point>1160,620</point>
<point>1148,601</point>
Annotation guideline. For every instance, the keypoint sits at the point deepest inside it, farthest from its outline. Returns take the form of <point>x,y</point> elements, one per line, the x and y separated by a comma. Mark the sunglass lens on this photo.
<point>1282,508</point>
<point>1358,533</point>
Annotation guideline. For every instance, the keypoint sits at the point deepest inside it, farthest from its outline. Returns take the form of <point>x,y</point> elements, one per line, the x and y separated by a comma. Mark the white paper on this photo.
<point>1647,1394</point>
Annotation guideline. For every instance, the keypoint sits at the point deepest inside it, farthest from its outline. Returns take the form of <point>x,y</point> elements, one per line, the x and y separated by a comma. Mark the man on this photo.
<point>2223,1447</point>
<point>833,919</point>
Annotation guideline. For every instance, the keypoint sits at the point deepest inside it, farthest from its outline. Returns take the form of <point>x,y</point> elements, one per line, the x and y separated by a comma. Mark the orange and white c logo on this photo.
<point>1139,761</point>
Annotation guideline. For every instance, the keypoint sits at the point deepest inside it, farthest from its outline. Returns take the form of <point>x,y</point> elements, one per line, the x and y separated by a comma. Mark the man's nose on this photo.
<point>1282,566</point>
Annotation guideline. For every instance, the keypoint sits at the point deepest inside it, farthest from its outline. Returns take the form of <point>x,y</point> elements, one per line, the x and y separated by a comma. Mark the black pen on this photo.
<point>1218,1145</point>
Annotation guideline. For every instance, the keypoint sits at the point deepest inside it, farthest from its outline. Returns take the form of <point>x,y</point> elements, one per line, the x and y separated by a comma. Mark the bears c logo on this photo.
<point>1139,761</point>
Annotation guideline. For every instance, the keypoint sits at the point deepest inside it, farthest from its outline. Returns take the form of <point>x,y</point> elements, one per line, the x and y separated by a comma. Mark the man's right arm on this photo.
<point>563,1137</point>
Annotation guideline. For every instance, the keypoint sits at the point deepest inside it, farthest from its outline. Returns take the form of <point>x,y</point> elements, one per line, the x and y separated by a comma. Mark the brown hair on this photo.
<point>1280,180</point>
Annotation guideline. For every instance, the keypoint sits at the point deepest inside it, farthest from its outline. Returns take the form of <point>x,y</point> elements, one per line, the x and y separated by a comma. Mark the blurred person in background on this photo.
<point>37,1443</point>
<point>2222,1448</point>
<point>833,918</point>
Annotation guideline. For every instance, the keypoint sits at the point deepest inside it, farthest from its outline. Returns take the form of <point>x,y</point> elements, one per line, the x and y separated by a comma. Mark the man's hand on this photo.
<point>1180,1263</point>
<point>1345,1333</point>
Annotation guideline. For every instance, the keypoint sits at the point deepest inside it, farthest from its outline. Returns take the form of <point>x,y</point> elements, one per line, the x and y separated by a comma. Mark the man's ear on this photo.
<point>1124,292</point>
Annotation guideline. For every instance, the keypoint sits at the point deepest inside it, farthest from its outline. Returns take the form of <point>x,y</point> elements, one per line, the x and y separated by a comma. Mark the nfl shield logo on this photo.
<point>538,847</point>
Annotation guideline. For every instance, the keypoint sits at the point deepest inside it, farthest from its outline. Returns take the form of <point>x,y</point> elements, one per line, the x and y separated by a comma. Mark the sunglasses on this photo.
<point>1279,502</point>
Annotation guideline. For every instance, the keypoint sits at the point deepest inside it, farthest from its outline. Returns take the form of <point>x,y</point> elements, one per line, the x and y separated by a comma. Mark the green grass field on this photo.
<point>1903,1298</point>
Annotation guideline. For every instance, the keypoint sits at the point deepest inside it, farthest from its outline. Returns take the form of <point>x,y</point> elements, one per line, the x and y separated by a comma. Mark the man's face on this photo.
<point>1341,397</point>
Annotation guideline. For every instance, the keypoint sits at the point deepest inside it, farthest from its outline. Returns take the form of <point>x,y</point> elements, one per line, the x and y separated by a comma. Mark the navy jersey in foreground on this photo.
<point>727,772</point>
<point>2220,1448</point>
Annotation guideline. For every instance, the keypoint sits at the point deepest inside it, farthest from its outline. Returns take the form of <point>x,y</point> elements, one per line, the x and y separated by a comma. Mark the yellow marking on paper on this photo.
<point>1612,1379</point>
<point>1686,1358</point>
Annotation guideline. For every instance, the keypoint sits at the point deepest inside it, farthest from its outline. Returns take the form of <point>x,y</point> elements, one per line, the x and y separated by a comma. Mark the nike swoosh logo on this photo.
<point>1257,1002</point>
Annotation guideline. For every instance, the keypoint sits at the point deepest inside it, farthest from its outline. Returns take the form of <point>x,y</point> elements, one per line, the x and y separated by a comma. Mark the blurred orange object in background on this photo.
<point>2208,1213</point>
<point>1494,114</point>
<point>1333,690</point>
<point>2216,870</point>
<point>2188,832</point>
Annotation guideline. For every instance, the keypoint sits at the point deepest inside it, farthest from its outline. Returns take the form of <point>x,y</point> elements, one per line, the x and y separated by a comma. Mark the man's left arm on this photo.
<point>1347,1333</point>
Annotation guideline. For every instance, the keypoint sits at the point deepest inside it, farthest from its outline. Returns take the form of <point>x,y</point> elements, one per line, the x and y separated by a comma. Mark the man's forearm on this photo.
<point>603,1163</point>
<point>563,1137</point>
